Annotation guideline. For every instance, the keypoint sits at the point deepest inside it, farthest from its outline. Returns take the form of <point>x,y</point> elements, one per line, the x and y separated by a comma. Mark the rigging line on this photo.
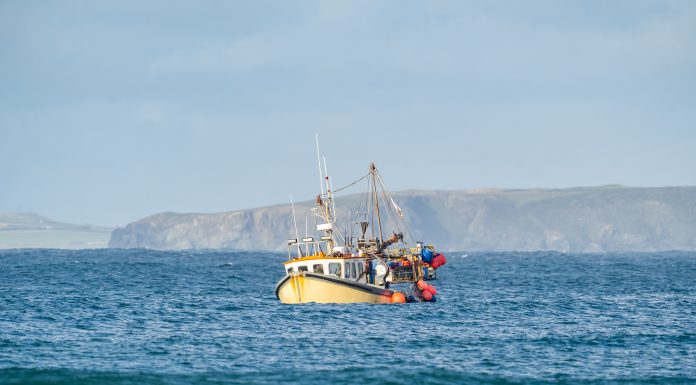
<point>392,215</point>
<point>401,222</point>
<point>367,202</point>
<point>390,210</point>
<point>374,188</point>
<point>348,185</point>
<point>371,211</point>
<point>363,211</point>
<point>338,230</point>
<point>384,189</point>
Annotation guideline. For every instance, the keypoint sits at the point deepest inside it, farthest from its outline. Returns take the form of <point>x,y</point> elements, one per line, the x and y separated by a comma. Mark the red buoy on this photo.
<point>438,261</point>
<point>398,297</point>
<point>431,289</point>
<point>422,284</point>
<point>427,296</point>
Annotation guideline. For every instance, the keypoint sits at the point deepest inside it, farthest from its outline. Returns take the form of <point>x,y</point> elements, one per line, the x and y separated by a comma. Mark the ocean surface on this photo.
<point>154,317</point>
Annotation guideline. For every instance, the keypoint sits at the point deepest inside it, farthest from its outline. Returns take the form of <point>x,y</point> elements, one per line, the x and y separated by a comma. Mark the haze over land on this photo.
<point>609,218</point>
<point>26,230</point>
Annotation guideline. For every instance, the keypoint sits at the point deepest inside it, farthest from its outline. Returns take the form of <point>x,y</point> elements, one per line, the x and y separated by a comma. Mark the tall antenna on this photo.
<point>294,219</point>
<point>321,182</point>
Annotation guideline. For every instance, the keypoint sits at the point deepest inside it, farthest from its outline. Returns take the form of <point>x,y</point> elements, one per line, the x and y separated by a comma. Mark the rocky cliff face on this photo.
<point>609,218</point>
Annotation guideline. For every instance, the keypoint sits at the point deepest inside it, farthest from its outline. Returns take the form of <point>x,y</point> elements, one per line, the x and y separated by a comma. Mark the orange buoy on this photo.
<point>431,289</point>
<point>443,260</point>
<point>398,297</point>
<point>422,284</point>
<point>427,296</point>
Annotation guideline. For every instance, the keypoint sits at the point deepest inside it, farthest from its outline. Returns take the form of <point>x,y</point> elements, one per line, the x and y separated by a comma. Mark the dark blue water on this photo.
<point>138,317</point>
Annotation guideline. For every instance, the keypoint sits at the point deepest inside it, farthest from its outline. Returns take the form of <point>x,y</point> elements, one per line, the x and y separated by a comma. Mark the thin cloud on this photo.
<point>239,55</point>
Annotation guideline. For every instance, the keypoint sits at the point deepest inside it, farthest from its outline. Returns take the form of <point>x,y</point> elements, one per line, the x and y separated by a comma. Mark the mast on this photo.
<point>373,171</point>
<point>329,194</point>
<point>330,220</point>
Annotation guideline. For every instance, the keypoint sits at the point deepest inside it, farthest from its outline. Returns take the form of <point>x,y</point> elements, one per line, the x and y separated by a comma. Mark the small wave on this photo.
<point>213,318</point>
<point>363,376</point>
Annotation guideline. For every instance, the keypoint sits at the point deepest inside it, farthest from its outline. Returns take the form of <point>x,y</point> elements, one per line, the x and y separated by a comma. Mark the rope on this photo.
<point>346,186</point>
<point>391,212</point>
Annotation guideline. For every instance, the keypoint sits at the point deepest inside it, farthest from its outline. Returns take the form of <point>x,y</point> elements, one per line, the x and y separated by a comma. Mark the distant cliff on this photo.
<point>607,218</point>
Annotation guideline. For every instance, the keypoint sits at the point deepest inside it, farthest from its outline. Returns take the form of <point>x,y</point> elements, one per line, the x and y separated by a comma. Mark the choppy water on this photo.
<point>137,316</point>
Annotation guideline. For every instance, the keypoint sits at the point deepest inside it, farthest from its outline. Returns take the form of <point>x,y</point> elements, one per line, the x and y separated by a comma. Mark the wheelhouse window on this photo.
<point>348,269</point>
<point>318,268</point>
<point>353,271</point>
<point>335,269</point>
<point>360,268</point>
<point>302,268</point>
<point>289,270</point>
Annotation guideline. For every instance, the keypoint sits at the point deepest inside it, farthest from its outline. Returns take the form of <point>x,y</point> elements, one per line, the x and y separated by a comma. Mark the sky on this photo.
<point>111,111</point>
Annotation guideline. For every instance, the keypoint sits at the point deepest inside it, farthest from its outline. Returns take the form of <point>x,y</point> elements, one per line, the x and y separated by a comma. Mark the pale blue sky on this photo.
<point>111,111</point>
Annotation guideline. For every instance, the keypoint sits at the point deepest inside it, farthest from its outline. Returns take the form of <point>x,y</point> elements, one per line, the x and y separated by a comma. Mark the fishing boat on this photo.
<point>337,267</point>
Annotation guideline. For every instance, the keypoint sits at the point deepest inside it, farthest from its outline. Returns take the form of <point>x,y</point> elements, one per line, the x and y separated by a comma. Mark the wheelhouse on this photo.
<point>340,263</point>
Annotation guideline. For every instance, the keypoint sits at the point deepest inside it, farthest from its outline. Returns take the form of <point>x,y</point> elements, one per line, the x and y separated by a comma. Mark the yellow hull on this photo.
<point>303,287</point>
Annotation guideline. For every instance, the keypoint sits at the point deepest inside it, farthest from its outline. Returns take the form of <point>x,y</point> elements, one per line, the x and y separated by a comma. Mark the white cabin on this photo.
<point>346,267</point>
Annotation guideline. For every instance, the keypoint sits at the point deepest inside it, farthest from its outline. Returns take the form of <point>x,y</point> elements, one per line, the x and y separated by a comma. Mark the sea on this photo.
<point>114,316</point>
